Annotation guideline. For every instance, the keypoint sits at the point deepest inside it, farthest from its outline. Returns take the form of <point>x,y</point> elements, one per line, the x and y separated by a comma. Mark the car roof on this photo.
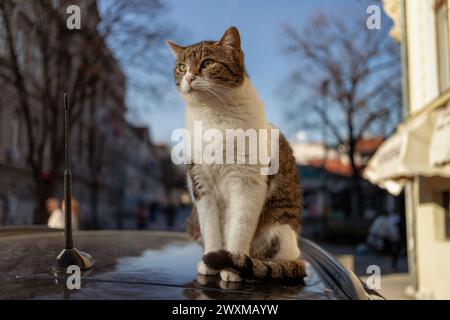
<point>131,265</point>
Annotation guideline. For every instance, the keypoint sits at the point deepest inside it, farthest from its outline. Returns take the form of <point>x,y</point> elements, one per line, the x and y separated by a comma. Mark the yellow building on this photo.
<point>416,157</point>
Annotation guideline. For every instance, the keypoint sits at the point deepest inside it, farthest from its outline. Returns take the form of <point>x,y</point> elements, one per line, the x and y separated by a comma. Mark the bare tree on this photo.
<point>44,59</point>
<point>135,32</point>
<point>348,81</point>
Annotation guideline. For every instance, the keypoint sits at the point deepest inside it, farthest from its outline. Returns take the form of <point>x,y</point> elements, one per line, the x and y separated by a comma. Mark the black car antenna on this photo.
<point>69,255</point>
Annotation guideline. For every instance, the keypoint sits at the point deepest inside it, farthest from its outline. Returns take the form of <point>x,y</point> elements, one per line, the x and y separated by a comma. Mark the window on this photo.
<point>443,47</point>
<point>446,205</point>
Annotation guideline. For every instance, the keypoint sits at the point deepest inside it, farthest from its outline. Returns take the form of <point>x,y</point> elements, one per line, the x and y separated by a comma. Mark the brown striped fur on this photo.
<point>278,222</point>
<point>283,203</point>
<point>228,71</point>
<point>282,207</point>
<point>252,268</point>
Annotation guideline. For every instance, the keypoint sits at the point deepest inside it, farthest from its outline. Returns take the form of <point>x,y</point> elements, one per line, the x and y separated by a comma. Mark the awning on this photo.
<point>440,142</point>
<point>408,153</point>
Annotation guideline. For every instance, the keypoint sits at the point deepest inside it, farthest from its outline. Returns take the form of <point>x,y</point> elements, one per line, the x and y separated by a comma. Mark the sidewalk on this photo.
<point>393,286</point>
<point>393,282</point>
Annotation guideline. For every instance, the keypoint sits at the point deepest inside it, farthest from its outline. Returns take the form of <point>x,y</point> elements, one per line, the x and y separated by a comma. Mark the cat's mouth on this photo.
<point>192,89</point>
<point>188,91</point>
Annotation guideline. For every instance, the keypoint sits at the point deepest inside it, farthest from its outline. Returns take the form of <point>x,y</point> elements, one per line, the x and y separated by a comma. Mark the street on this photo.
<point>393,282</point>
<point>282,124</point>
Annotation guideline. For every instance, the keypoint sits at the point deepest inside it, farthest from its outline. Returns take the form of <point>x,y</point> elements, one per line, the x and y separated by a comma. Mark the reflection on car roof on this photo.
<point>130,265</point>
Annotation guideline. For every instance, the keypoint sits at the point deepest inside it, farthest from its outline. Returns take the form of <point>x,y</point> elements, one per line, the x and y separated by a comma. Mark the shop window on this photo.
<point>446,205</point>
<point>443,47</point>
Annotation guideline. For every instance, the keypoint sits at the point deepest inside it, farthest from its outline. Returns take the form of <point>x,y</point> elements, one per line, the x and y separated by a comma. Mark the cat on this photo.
<point>248,223</point>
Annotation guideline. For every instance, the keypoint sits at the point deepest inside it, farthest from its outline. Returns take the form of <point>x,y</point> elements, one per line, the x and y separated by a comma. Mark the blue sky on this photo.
<point>260,24</point>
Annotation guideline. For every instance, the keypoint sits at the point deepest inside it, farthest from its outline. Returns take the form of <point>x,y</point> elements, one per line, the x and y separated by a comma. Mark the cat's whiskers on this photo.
<point>170,96</point>
<point>224,97</point>
<point>224,196</point>
<point>202,86</point>
<point>225,110</point>
<point>216,95</point>
<point>224,94</point>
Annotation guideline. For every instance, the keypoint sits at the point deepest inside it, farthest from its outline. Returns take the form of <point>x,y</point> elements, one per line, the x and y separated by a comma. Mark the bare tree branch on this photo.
<point>353,72</point>
<point>46,59</point>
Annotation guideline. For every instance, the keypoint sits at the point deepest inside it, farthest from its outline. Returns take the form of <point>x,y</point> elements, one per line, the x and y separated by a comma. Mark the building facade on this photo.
<point>325,174</point>
<point>416,157</point>
<point>115,165</point>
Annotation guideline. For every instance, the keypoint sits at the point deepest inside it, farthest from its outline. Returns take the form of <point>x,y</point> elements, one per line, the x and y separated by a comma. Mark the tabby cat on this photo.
<point>248,223</point>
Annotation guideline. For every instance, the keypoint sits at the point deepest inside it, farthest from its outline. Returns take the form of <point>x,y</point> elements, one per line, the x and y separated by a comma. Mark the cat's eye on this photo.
<point>207,63</point>
<point>182,68</point>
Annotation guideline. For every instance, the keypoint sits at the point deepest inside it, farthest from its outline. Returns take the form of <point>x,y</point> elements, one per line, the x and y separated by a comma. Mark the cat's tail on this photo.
<point>252,268</point>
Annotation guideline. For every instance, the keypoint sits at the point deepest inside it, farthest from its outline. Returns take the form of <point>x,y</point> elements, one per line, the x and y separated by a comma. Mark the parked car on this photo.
<point>151,265</point>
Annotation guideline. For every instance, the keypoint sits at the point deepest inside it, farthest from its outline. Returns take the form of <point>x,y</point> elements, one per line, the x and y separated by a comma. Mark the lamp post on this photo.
<point>69,255</point>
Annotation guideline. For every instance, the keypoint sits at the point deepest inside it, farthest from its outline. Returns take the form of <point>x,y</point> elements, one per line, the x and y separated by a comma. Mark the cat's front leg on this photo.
<point>246,200</point>
<point>209,220</point>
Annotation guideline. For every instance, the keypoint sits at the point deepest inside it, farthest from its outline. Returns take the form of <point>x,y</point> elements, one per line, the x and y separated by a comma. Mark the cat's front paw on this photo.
<point>230,276</point>
<point>203,269</point>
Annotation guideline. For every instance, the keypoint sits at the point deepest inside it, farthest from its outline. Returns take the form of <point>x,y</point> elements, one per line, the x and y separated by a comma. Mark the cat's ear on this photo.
<point>176,49</point>
<point>231,38</point>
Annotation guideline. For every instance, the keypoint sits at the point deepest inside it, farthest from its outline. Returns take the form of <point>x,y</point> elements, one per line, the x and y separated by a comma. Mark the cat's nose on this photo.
<point>190,77</point>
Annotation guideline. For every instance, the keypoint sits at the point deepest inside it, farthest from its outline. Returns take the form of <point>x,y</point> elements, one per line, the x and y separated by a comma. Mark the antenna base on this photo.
<point>69,257</point>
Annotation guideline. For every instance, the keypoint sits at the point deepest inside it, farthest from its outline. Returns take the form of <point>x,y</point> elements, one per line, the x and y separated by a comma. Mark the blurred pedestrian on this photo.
<point>57,219</point>
<point>397,222</point>
<point>152,211</point>
<point>171,208</point>
<point>75,213</point>
<point>11,207</point>
<point>382,233</point>
<point>56,216</point>
<point>3,209</point>
<point>141,216</point>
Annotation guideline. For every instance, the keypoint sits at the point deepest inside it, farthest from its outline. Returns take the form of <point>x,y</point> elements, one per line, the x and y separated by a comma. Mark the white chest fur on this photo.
<point>238,114</point>
<point>241,109</point>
